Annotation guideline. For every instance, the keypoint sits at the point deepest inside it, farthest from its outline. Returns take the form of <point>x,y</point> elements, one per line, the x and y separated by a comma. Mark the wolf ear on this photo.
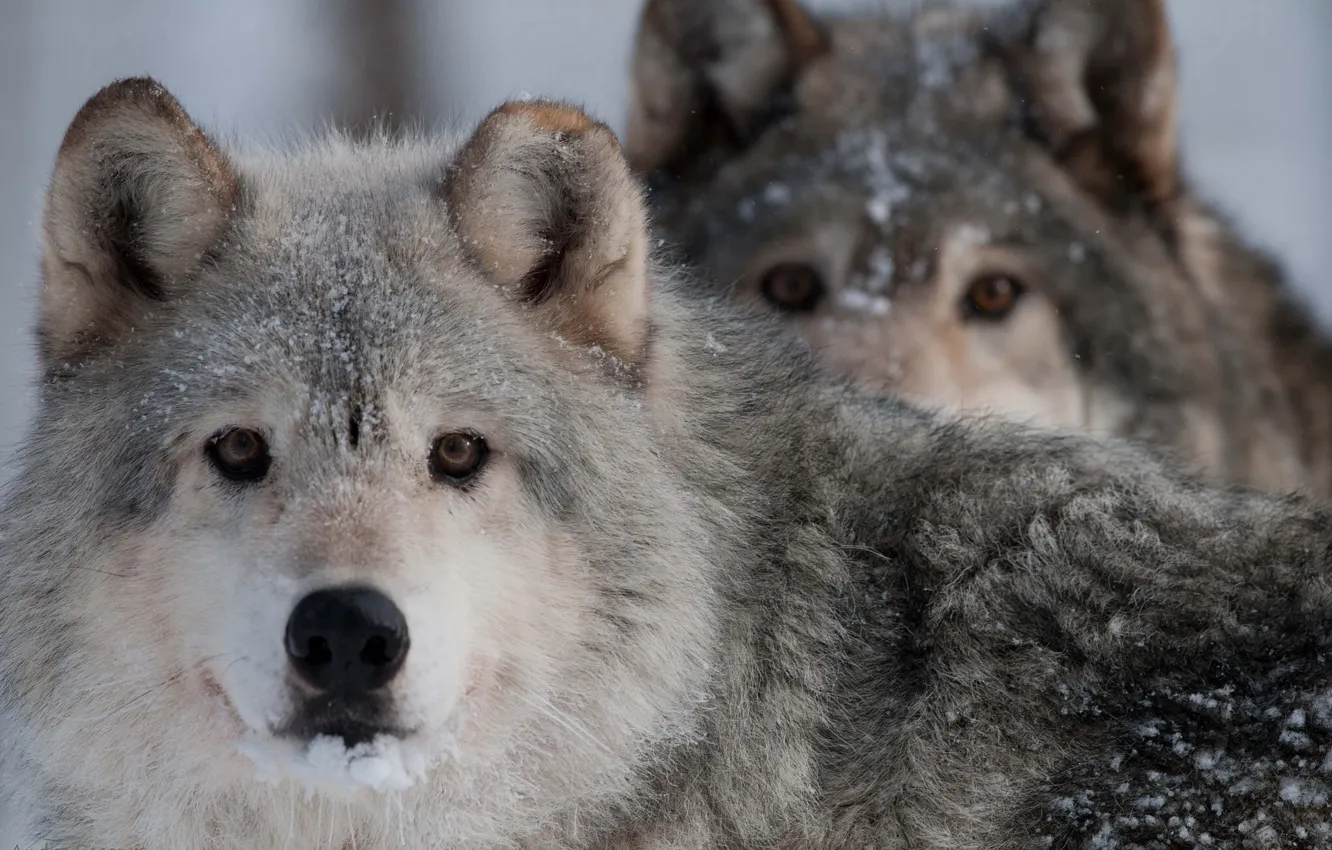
<point>1099,78</point>
<point>138,194</point>
<point>546,205</point>
<point>705,72</point>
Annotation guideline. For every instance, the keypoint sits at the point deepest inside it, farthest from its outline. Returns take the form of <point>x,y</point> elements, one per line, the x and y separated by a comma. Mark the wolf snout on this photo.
<point>347,640</point>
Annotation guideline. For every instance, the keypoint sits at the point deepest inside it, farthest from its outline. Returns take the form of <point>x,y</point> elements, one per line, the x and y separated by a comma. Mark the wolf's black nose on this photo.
<point>347,640</point>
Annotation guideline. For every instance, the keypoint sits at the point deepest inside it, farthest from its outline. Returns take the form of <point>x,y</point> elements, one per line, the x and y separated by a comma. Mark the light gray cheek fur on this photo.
<point>241,604</point>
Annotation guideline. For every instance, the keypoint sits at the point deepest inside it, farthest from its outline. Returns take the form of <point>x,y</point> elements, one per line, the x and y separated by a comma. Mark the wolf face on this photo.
<point>981,212</point>
<point>331,477</point>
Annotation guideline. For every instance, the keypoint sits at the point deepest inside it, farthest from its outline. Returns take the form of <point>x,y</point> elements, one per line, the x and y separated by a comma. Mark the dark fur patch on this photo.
<point>356,720</point>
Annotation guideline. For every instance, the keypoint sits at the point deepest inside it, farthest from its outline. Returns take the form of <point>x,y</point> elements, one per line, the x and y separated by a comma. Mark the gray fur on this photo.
<point>918,151</point>
<point>721,601</point>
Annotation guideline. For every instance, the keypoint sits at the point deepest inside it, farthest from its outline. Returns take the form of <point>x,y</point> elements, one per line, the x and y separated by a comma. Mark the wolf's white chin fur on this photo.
<point>327,766</point>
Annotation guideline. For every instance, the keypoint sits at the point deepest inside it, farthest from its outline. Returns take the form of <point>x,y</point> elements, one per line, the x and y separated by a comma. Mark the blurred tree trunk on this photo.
<point>381,63</point>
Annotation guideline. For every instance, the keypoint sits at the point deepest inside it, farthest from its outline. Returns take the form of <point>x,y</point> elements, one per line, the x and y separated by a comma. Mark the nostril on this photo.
<point>349,640</point>
<point>376,652</point>
<point>317,651</point>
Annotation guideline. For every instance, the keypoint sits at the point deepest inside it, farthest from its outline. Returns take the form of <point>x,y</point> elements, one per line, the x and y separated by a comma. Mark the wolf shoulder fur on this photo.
<point>983,211</point>
<point>408,450</point>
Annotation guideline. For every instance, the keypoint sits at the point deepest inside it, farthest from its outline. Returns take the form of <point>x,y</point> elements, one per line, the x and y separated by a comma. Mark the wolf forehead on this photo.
<point>335,225</point>
<point>887,166</point>
<point>317,246</point>
<point>905,112</point>
<point>338,277</point>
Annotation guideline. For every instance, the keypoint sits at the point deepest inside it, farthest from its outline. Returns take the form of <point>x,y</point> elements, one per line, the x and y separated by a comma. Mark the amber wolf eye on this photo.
<point>239,454</point>
<point>992,296</point>
<point>457,457</point>
<point>792,287</point>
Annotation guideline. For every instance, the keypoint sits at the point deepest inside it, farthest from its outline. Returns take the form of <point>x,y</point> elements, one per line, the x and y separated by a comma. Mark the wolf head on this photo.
<point>342,466</point>
<point>980,212</point>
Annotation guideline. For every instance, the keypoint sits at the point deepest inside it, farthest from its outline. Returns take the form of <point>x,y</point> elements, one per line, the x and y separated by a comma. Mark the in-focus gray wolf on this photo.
<point>983,211</point>
<point>387,494</point>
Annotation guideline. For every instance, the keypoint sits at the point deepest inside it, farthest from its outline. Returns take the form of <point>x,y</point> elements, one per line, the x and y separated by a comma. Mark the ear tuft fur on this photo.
<point>138,194</point>
<point>545,203</point>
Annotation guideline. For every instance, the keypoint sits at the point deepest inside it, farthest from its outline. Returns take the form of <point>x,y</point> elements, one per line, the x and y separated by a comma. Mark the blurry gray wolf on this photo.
<point>982,211</point>
<point>388,494</point>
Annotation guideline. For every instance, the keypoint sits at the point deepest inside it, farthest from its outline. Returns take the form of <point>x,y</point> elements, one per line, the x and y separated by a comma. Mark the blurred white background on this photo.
<point>1256,108</point>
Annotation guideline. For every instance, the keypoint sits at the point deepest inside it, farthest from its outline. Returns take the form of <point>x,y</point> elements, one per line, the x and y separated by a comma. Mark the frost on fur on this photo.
<point>326,764</point>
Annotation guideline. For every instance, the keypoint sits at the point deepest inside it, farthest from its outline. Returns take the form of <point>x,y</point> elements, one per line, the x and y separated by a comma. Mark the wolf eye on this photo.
<point>992,296</point>
<point>793,287</point>
<point>457,456</point>
<point>240,454</point>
